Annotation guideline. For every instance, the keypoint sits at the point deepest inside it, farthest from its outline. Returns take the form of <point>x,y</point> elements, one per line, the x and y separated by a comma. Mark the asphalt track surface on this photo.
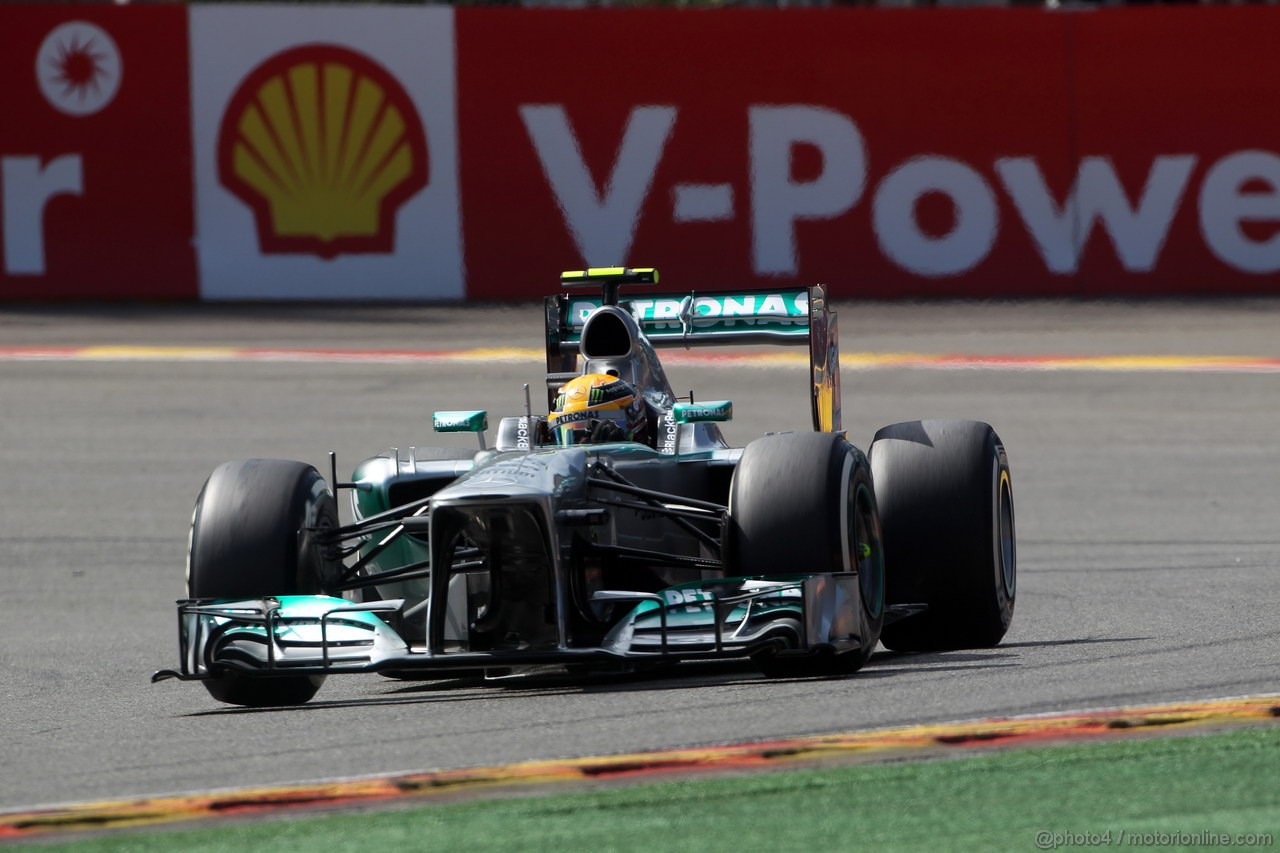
<point>1148,516</point>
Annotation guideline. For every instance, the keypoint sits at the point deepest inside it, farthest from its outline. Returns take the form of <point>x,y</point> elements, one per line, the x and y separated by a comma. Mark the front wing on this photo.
<point>318,634</point>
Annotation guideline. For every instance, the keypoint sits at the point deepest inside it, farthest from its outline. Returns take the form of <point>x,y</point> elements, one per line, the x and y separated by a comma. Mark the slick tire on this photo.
<point>802,503</point>
<point>946,510</point>
<point>250,538</point>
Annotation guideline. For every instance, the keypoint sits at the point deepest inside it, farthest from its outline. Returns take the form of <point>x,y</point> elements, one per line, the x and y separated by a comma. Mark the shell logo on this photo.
<point>324,145</point>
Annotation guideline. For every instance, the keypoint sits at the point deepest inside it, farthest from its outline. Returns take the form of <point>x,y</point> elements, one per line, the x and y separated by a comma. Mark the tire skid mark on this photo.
<point>521,355</point>
<point>853,747</point>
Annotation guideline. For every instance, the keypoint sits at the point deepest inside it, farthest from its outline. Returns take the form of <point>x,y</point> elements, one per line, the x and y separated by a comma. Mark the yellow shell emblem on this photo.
<point>324,145</point>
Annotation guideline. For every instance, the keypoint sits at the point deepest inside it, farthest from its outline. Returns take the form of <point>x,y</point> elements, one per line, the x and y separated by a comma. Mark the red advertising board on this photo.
<point>887,153</point>
<point>95,153</point>
<point>1178,100</point>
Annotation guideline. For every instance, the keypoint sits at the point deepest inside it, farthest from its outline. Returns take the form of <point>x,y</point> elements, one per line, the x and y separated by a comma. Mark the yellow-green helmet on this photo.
<point>597,407</point>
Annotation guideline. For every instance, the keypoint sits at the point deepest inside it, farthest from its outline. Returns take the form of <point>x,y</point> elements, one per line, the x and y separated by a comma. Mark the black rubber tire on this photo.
<point>249,539</point>
<point>946,509</point>
<point>803,502</point>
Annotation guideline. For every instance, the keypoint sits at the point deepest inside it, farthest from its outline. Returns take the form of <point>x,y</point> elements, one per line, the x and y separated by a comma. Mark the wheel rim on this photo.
<point>869,556</point>
<point>1005,547</point>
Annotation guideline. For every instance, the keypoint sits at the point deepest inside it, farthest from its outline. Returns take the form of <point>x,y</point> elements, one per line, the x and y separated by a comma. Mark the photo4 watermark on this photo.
<point>1050,840</point>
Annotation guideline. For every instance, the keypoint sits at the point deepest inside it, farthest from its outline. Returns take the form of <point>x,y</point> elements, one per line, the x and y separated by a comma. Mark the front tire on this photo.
<point>251,538</point>
<point>946,507</point>
<point>804,503</point>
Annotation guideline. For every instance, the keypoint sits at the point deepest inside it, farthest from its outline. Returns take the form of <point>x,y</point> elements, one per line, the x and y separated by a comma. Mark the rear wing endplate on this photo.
<point>786,316</point>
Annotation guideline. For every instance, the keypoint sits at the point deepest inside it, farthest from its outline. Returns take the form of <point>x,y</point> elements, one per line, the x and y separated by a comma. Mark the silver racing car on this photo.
<point>617,532</point>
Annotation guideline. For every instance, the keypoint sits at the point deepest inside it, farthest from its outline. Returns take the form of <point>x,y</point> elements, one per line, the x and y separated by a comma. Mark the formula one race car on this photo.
<point>617,532</point>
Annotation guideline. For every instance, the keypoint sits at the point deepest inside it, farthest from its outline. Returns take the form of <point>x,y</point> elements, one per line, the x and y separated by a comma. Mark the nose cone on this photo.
<point>546,473</point>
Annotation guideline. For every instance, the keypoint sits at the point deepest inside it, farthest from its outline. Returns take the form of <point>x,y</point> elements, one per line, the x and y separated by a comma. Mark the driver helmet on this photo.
<point>597,407</point>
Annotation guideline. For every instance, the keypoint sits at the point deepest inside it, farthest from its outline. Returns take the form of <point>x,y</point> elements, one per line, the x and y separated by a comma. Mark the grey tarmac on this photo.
<point>1147,508</point>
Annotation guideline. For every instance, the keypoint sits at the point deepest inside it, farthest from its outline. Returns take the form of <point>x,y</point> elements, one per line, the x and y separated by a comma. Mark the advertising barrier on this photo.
<point>1173,105</point>
<point>760,147</point>
<point>326,152</point>
<point>406,153</point>
<point>95,154</point>
<point>960,152</point>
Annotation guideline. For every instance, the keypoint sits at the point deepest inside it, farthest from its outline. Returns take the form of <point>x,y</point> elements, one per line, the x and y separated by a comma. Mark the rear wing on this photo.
<point>786,316</point>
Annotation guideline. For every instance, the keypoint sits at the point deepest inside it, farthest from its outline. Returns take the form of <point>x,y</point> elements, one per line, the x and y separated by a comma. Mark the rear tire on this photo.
<point>946,509</point>
<point>250,539</point>
<point>804,503</point>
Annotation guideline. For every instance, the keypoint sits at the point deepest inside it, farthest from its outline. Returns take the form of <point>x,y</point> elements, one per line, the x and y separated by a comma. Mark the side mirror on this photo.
<point>476,421</point>
<point>698,413</point>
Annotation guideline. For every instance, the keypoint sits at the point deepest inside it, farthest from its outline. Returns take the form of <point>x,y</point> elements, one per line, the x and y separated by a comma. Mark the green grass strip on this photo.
<point>1053,797</point>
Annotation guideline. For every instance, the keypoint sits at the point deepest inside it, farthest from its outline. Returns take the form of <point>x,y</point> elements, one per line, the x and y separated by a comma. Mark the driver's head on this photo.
<point>597,408</point>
